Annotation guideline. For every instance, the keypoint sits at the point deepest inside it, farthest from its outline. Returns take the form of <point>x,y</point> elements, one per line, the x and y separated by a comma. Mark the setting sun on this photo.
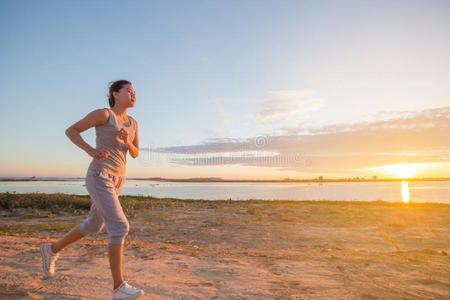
<point>402,170</point>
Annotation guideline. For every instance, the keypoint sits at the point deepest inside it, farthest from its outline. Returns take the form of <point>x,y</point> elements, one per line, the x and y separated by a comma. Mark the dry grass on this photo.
<point>238,249</point>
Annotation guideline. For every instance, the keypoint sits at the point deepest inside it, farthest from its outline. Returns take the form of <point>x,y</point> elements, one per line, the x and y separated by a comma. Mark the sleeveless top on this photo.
<point>115,164</point>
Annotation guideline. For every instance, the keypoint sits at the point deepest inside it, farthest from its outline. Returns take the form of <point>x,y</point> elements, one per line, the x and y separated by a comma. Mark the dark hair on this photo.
<point>115,87</point>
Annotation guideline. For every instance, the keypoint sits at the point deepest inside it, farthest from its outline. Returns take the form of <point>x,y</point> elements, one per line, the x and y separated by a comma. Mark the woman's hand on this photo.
<point>122,136</point>
<point>99,154</point>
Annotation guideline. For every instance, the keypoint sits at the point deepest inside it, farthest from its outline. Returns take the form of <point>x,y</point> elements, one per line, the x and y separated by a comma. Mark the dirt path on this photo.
<point>241,251</point>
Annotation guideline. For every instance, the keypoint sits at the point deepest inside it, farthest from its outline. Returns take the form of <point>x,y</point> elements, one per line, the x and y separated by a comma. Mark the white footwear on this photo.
<point>48,259</point>
<point>126,291</point>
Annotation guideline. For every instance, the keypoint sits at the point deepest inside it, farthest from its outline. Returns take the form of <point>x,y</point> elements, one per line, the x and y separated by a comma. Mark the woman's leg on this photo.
<point>115,262</point>
<point>93,224</point>
<point>116,250</point>
<point>103,189</point>
<point>72,236</point>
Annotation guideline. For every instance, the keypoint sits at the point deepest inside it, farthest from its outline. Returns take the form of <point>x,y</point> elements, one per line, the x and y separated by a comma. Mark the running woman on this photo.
<point>116,134</point>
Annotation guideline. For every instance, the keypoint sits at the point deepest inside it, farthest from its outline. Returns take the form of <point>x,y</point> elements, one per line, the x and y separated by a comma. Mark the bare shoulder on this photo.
<point>96,117</point>
<point>102,113</point>
<point>133,120</point>
<point>99,116</point>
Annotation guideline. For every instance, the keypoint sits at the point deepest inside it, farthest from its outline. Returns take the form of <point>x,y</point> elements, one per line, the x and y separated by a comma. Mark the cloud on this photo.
<point>283,103</point>
<point>419,136</point>
<point>407,119</point>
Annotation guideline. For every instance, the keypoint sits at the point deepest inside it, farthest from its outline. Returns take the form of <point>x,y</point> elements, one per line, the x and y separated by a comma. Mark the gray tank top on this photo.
<point>115,164</point>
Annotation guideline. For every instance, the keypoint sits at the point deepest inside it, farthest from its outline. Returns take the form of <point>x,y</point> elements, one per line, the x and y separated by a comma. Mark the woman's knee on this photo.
<point>88,227</point>
<point>118,236</point>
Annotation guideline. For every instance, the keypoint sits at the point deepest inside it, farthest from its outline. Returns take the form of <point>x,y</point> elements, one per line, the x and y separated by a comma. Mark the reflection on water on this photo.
<point>405,191</point>
<point>409,191</point>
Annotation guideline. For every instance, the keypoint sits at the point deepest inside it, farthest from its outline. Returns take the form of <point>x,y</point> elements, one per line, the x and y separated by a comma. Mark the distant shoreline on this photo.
<point>234,180</point>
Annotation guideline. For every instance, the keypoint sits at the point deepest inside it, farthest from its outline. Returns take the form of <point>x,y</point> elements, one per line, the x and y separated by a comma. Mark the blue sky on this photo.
<point>211,76</point>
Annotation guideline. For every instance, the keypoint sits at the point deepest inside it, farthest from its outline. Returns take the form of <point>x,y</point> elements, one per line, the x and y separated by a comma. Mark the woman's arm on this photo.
<point>133,146</point>
<point>94,118</point>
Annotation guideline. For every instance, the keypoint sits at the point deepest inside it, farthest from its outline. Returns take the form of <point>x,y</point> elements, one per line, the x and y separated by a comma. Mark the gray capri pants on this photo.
<point>104,190</point>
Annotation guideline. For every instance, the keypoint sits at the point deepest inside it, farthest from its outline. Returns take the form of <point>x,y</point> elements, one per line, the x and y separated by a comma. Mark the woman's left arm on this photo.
<point>133,146</point>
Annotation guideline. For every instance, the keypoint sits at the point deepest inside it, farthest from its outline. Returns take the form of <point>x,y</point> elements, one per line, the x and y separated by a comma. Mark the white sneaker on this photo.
<point>126,291</point>
<point>48,259</point>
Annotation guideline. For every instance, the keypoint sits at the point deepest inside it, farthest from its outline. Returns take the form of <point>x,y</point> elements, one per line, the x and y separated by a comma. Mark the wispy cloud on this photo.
<point>285,103</point>
<point>406,119</point>
<point>416,136</point>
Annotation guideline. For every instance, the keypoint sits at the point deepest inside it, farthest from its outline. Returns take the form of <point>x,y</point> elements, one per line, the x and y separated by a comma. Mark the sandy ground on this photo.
<point>241,250</point>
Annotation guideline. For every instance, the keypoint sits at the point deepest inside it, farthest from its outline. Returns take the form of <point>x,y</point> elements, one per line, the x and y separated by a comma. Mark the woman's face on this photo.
<point>125,96</point>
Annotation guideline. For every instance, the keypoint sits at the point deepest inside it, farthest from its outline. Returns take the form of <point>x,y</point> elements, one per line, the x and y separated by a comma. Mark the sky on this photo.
<point>231,89</point>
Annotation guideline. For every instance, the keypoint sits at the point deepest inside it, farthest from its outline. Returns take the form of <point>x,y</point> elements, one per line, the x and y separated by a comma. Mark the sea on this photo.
<point>393,191</point>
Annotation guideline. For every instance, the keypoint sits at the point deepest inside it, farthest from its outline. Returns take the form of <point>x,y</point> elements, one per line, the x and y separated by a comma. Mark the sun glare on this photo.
<point>402,171</point>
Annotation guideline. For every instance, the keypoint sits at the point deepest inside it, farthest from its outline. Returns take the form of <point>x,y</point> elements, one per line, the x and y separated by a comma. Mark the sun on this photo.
<point>402,171</point>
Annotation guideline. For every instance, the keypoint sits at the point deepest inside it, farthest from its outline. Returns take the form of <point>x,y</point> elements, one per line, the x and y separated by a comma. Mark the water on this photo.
<point>414,191</point>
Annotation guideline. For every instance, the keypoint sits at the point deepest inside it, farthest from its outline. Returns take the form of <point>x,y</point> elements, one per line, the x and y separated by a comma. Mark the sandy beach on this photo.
<point>181,249</point>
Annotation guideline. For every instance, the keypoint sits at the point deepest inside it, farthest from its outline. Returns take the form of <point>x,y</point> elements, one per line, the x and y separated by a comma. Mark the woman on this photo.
<point>116,134</point>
